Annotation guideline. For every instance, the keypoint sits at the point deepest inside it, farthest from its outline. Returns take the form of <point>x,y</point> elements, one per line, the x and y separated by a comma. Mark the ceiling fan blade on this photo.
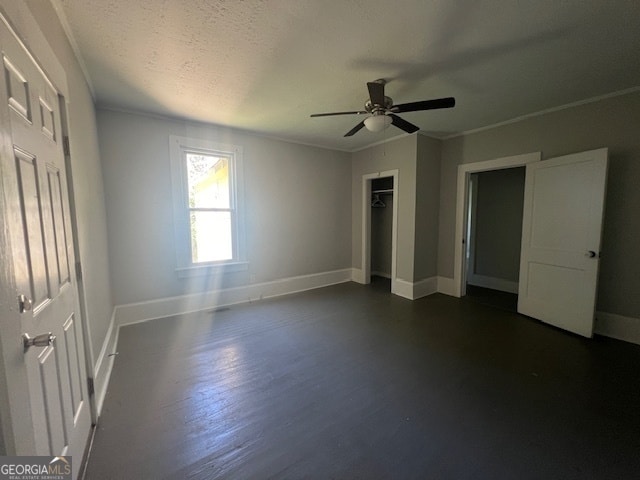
<point>447,102</point>
<point>376,92</point>
<point>338,113</point>
<point>403,124</point>
<point>355,129</point>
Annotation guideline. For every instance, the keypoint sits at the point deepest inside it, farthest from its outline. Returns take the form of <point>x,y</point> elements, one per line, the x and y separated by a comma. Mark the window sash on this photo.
<point>230,158</point>
<point>231,209</point>
<point>180,148</point>
<point>209,244</point>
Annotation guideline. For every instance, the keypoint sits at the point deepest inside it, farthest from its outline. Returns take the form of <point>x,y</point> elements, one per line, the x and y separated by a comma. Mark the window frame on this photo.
<point>179,148</point>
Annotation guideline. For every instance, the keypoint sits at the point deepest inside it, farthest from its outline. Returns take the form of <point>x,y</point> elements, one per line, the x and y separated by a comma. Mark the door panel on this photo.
<point>562,224</point>
<point>560,213</point>
<point>47,116</point>
<point>32,259</point>
<point>72,348</point>
<point>17,89</point>
<point>60,237</point>
<point>42,252</point>
<point>49,374</point>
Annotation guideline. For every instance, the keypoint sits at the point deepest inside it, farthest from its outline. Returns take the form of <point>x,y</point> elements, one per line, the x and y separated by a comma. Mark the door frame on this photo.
<point>462,209</point>
<point>89,354</point>
<point>471,215</point>
<point>366,225</point>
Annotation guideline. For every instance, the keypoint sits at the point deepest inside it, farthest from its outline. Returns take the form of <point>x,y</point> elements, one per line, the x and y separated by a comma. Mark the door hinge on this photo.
<point>78,270</point>
<point>90,387</point>
<point>65,145</point>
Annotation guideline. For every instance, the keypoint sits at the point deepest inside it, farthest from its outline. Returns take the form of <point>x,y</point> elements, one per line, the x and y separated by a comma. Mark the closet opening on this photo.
<point>379,229</point>
<point>382,202</point>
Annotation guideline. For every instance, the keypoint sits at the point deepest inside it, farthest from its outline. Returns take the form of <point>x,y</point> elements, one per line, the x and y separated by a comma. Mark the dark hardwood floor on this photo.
<point>493,298</point>
<point>351,382</point>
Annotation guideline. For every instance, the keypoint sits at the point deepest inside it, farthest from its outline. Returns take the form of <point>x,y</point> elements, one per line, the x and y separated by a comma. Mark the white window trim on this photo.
<point>185,268</point>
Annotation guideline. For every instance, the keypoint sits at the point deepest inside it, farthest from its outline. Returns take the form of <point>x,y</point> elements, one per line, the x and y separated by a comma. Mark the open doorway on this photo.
<point>462,227</point>
<point>493,240</point>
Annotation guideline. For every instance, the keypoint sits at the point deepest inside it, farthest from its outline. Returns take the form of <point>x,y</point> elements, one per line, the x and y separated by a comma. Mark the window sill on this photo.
<point>210,269</point>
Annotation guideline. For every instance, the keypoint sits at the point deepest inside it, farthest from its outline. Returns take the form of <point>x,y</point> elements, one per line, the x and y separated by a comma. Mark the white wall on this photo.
<point>297,206</point>
<point>611,123</point>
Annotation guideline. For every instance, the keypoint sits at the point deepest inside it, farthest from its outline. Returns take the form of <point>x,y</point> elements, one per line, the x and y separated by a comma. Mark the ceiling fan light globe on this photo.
<point>377,123</point>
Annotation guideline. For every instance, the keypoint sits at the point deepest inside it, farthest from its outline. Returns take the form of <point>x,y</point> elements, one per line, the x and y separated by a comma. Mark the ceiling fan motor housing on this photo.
<point>376,109</point>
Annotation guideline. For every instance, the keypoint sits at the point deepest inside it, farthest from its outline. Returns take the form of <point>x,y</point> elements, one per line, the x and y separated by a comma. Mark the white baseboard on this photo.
<point>425,287</point>
<point>492,282</point>
<point>416,290</point>
<point>618,327</point>
<point>166,307</point>
<point>446,286</point>
<point>357,275</point>
<point>403,288</point>
<point>104,364</point>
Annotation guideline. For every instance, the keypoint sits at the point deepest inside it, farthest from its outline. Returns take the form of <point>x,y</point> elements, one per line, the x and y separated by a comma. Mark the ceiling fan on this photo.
<point>382,111</point>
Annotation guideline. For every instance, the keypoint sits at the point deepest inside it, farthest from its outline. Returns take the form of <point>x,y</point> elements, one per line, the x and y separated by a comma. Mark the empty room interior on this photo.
<point>309,239</point>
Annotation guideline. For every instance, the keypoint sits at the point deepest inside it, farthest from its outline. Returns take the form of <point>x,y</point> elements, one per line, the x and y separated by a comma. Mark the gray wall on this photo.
<point>85,162</point>
<point>297,207</point>
<point>609,123</point>
<point>498,223</point>
<point>401,155</point>
<point>427,207</point>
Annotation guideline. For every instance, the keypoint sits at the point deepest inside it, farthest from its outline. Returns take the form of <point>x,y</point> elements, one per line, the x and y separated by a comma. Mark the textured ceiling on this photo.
<point>266,65</point>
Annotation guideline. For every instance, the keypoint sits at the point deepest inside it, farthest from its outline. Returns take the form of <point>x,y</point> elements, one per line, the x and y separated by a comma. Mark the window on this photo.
<point>207,205</point>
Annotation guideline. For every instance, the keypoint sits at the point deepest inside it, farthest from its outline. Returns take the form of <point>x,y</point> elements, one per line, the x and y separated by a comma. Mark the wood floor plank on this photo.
<point>351,382</point>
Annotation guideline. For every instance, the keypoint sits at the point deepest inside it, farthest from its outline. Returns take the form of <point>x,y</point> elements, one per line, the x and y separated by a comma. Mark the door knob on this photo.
<point>42,340</point>
<point>591,254</point>
<point>24,303</point>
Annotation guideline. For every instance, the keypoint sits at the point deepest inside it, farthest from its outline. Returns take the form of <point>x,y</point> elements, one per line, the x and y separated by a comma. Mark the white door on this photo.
<point>41,248</point>
<point>561,232</point>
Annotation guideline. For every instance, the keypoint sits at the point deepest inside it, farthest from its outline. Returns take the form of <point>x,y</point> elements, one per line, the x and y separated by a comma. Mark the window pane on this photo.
<point>211,238</point>
<point>208,181</point>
